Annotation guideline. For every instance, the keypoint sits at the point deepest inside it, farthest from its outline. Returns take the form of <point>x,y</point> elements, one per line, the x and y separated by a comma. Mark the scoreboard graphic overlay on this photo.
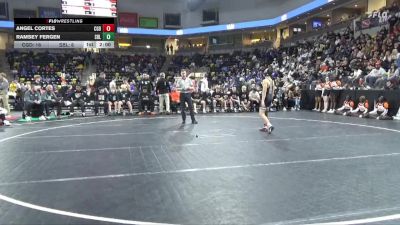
<point>64,33</point>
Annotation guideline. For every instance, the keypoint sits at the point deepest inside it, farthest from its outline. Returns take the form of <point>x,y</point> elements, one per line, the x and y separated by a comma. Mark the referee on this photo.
<point>185,86</point>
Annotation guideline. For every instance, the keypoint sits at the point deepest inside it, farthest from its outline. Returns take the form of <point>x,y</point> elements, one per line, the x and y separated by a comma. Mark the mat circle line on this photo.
<point>123,221</point>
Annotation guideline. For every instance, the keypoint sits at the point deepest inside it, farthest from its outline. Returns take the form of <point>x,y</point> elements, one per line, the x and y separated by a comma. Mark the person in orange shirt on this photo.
<point>381,110</point>
<point>348,105</point>
<point>175,100</point>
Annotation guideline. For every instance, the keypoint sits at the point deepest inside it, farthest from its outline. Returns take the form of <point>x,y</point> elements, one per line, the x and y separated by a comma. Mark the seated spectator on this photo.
<point>297,97</point>
<point>362,108</point>
<point>197,99</point>
<point>206,97</point>
<point>113,101</point>
<point>394,77</point>
<point>217,99</point>
<point>227,100</point>
<point>32,101</point>
<point>381,109</point>
<point>101,100</point>
<point>77,98</point>
<point>125,99</point>
<point>50,100</point>
<point>374,75</point>
<point>235,99</point>
<point>244,99</point>
<point>3,120</point>
<point>254,99</point>
<point>347,106</point>
<point>290,99</point>
<point>175,100</point>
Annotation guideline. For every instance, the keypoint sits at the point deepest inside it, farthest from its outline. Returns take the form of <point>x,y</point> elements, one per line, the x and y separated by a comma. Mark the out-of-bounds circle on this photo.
<point>123,221</point>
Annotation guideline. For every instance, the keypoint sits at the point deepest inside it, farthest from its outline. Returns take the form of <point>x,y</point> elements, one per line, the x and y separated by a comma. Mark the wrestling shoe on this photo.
<point>42,118</point>
<point>270,129</point>
<point>194,122</point>
<point>28,118</point>
<point>6,123</point>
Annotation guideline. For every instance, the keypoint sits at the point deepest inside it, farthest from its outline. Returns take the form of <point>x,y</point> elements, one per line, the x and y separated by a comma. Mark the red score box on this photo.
<point>108,28</point>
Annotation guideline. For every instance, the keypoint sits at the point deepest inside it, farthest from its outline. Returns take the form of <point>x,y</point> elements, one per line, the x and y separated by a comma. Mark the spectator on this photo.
<point>101,99</point>
<point>163,89</point>
<point>254,99</point>
<point>32,101</point>
<point>318,95</point>
<point>145,95</point>
<point>244,99</point>
<point>347,106</point>
<point>4,92</point>
<point>77,98</point>
<point>374,75</point>
<point>217,99</point>
<point>113,101</point>
<point>3,120</point>
<point>362,108</point>
<point>125,99</point>
<point>381,109</point>
<point>50,100</point>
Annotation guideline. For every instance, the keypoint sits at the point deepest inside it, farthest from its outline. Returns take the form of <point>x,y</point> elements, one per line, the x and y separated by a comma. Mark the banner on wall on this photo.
<point>24,13</point>
<point>375,19</point>
<point>148,22</point>
<point>46,12</point>
<point>126,19</point>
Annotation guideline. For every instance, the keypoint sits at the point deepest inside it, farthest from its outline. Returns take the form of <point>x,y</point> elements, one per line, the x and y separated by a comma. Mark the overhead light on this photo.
<point>356,5</point>
<point>147,46</point>
<point>230,26</point>
<point>327,15</point>
<point>124,44</point>
<point>179,32</point>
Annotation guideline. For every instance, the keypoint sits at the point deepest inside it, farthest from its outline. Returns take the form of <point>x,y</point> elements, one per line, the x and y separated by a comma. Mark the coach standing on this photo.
<point>163,89</point>
<point>4,92</point>
<point>185,86</point>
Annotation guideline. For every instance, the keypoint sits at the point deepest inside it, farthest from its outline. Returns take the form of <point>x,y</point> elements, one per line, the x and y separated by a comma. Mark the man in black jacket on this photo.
<point>32,99</point>
<point>77,97</point>
<point>101,99</point>
<point>163,89</point>
<point>50,99</point>
<point>145,95</point>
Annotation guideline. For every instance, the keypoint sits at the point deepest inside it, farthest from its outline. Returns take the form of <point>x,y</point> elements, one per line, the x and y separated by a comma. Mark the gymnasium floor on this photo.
<point>222,171</point>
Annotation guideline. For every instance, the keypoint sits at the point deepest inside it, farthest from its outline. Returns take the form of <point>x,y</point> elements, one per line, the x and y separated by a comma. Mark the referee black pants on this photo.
<point>187,98</point>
